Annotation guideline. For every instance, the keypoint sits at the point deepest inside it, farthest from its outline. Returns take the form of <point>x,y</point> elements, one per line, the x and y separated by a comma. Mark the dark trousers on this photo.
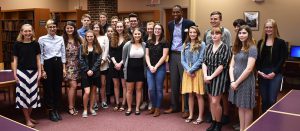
<point>176,72</point>
<point>269,90</point>
<point>52,84</point>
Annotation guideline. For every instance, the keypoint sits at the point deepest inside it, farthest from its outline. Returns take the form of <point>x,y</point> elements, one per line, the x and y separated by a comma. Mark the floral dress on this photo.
<point>72,64</point>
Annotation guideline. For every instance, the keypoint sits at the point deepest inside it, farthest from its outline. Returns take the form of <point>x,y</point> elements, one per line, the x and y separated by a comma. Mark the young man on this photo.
<point>178,29</point>
<point>103,21</point>
<point>215,22</point>
<point>113,22</point>
<point>86,21</point>
<point>134,23</point>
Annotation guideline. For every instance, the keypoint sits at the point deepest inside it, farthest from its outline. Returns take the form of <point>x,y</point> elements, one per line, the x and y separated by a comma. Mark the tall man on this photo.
<point>178,29</point>
<point>215,22</point>
<point>103,21</point>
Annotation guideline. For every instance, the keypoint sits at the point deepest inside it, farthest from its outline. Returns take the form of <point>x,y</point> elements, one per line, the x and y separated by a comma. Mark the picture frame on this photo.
<point>252,19</point>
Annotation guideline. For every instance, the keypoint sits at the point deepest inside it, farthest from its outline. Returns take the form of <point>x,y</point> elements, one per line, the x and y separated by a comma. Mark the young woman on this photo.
<point>90,59</point>
<point>156,53</point>
<point>104,43</point>
<point>109,32</point>
<point>133,56</point>
<point>53,59</point>
<point>272,52</point>
<point>215,75</point>
<point>27,72</point>
<point>242,92</point>
<point>72,42</point>
<point>192,79</point>
<point>118,40</point>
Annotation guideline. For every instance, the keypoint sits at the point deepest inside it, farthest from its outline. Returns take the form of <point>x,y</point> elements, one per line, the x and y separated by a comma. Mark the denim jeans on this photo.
<point>269,90</point>
<point>155,85</point>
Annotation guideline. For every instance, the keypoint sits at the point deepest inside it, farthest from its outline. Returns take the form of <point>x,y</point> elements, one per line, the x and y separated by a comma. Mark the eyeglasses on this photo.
<point>52,27</point>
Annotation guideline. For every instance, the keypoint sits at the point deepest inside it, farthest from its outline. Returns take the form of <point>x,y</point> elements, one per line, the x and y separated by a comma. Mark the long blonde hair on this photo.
<point>197,44</point>
<point>20,37</point>
<point>265,36</point>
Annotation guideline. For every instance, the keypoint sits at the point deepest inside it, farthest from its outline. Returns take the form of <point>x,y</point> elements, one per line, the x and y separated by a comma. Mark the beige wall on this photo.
<point>23,4</point>
<point>285,12</point>
<point>74,4</point>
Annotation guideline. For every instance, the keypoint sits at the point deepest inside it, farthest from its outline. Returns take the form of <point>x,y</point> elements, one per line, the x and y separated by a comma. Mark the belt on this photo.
<point>55,58</point>
<point>176,52</point>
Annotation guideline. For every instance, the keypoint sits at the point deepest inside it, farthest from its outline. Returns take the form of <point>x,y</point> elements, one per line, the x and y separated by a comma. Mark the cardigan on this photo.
<point>125,56</point>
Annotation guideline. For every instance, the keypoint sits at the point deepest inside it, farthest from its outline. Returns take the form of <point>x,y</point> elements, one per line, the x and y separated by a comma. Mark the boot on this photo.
<point>151,111</point>
<point>218,126</point>
<point>156,112</point>
<point>212,126</point>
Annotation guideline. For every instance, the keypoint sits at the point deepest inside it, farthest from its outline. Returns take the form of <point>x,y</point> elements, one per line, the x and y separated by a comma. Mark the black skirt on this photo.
<point>90,81</point>
<point>135,70</point>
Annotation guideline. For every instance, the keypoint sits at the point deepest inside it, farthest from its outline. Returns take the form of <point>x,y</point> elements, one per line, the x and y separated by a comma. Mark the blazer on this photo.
<point>84,64</point>
<point>279,54</point>
<point>186,24</point>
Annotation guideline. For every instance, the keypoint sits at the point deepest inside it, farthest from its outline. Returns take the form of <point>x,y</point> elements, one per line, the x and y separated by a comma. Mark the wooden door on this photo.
<point>169,17</point>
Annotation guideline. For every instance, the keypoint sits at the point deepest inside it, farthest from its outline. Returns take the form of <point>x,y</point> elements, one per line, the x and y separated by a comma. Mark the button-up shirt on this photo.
<point>52,46</point>
<point>82,31</point>
<point>177,36</point>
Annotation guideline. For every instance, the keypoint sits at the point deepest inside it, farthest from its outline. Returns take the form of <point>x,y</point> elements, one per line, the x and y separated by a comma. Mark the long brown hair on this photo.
<point>77,39</point>
<point>20,37</point>
<point>115,36</point>
<point>96,46</point>
<point>161,37</point>
<point>238,45</point>
<point>197,44</point>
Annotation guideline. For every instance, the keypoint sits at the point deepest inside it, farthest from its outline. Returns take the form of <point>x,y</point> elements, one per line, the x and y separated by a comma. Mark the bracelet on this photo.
<point>232,81</point>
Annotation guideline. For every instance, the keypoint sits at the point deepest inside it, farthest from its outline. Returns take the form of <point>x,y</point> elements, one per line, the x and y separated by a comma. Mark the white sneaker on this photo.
<point>150,106</point>
<point>93,112</point>
<point>104,105</point>
<point>84,114</point>
<point>143,106</point>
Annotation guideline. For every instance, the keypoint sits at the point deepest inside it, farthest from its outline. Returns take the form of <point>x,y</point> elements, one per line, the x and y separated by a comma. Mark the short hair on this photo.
<point>239,22</point>
<point>150,23</point>
<point>20,37</point>
<point>103,13</point>
<point>133,15</point>
<point>114,17</point>
<point>178,6</point>
<point>216,13</point>
<point>86,16</point>
<point>49,22</point>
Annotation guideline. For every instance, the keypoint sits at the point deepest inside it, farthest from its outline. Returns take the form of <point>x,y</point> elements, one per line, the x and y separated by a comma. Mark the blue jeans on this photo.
<point>269,90</point>
<point>155,85</point>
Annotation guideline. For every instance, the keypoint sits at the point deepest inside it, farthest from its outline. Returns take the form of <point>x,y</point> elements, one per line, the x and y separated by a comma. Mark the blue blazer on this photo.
<point>186,24</point>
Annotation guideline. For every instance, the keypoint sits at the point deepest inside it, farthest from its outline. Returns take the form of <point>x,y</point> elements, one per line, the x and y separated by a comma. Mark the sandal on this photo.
<point>188,120</point>
<point>34,121</point>
<point>122,108</point>
<point>73,111</point>
<point>116,107</point>
<point>137,113</point>
<point>198,121</point>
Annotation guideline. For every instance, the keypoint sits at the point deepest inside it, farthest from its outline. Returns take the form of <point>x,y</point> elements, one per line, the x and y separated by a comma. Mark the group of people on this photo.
<point>135,60</point>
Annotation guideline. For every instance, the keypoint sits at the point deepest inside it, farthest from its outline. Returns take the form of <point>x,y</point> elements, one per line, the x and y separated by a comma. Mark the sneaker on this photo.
<point>93,112</point>
<point>104,105</point>
<point>84,114</point>
<point>96,107</point>
<point>150,106</point>
<point>143,106</point>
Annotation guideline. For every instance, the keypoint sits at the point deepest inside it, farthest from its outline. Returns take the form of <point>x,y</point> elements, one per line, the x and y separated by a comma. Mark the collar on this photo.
<point>180,22</point>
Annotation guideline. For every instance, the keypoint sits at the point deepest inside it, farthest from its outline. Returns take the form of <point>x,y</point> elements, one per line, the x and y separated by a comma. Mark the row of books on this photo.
<point>14,25</point>
<point>9,36</point>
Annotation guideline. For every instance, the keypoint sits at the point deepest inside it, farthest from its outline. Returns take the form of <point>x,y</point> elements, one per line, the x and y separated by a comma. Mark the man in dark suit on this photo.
<point>178,29</point>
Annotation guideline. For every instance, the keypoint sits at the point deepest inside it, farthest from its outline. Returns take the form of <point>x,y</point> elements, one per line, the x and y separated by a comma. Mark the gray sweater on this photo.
<point>125,56</point>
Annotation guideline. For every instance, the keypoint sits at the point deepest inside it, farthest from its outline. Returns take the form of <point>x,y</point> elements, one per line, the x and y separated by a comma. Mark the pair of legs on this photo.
<point>116,82</point>
<point>103,88</point>
<point>215,107</point>
<point>269,90</point>
<point>246,117</point>
<point>72,95</point>
<point>29,121</point>
<point>89,92</point>
<point>176,72</point>
<point>130,87</point>
<point>200,106</point>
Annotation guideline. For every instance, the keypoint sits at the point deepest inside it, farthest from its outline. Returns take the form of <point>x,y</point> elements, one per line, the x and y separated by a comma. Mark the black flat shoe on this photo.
<point>57,115</point>
<point>52,116</point>
<point>137,113</point>
<point>127,113</point>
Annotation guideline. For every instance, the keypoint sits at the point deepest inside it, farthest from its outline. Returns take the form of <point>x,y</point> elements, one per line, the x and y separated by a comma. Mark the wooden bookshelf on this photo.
<point>10,24</point>
<point>63,16</point>
<point>144,16</point>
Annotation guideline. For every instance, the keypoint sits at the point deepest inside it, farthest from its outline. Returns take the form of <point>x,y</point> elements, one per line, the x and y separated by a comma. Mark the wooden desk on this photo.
<point>7,81</point>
